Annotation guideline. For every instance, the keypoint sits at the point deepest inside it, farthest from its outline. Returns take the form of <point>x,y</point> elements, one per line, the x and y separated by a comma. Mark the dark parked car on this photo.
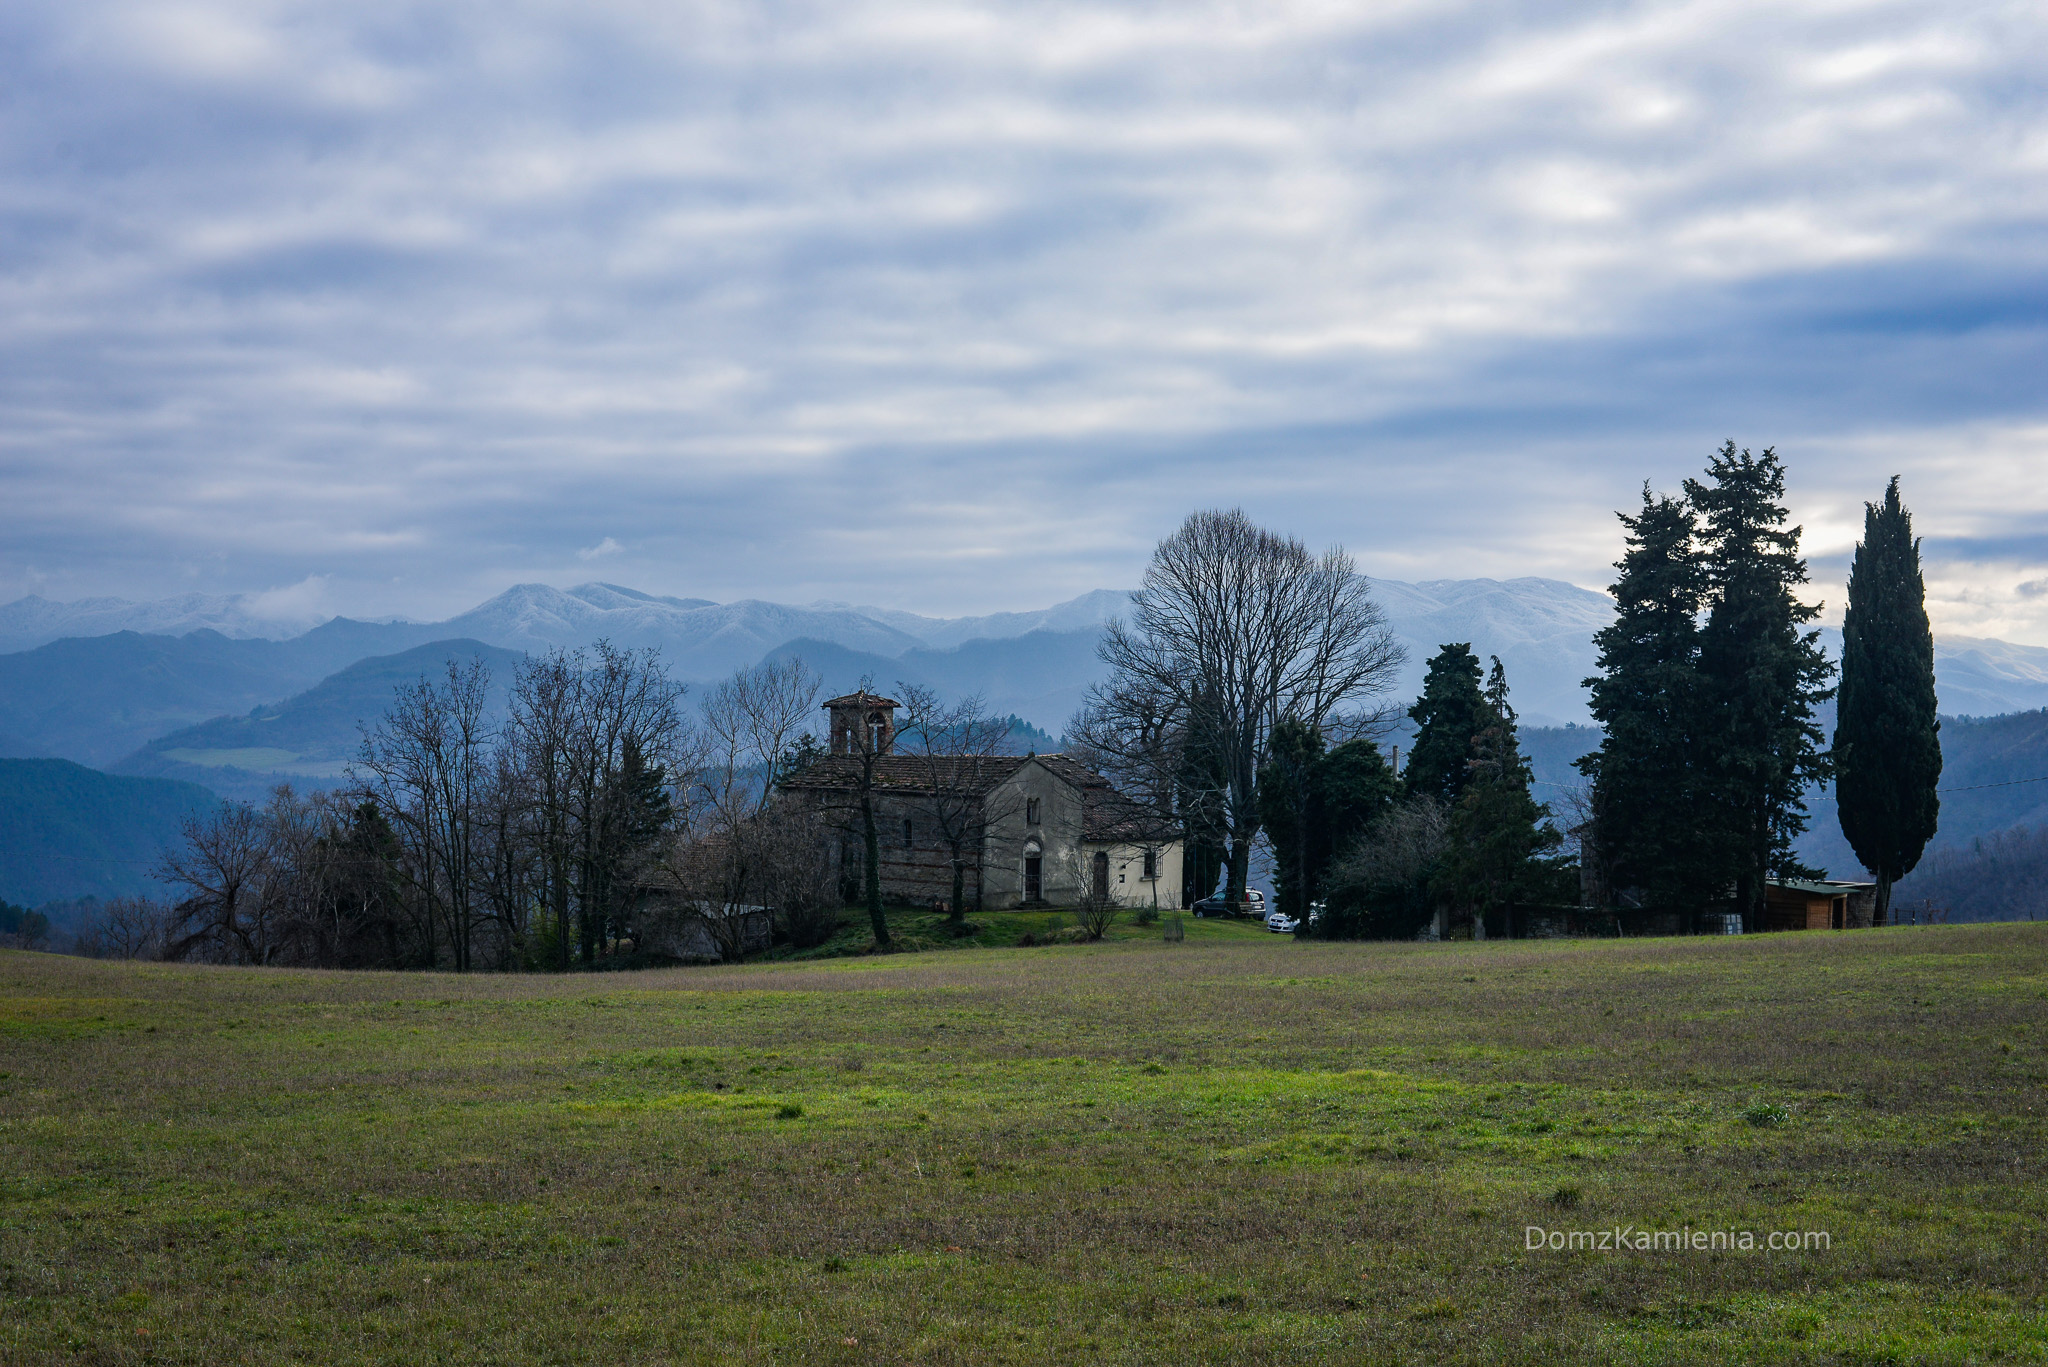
<point>1253,906</point>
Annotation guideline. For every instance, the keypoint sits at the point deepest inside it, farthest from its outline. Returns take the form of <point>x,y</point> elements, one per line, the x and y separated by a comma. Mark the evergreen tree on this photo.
<point>1496,747</point>
<point>1647,787</point>
<point>1201,783</point>
<point>799,755</point>
<point>1762,676</point>
<point>1450,712</point>
<point>638,812</point>
<point>1887,746</point>
<point>1498,832</point>
<point>1317,802</point>
<point>1355,787</point>
<point>1290,813</point>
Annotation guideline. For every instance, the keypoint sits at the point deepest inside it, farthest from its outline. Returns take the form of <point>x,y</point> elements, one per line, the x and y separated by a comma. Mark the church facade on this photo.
<point>1032,830</point>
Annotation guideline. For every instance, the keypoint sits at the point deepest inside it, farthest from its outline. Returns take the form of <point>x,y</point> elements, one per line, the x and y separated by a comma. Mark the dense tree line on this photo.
<point>1239,703</point>
<point>1709,685</point>
<point>574,829</point>
<point>21,928</point>
<point>1239,640</point>
<point>1457,834</point>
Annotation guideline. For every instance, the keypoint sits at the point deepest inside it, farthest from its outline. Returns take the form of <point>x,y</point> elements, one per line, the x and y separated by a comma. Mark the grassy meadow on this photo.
<point>1237,1149</point>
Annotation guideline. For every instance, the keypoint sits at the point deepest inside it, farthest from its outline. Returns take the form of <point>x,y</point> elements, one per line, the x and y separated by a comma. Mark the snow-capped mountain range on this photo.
<point>1541,628</point>
<point>29,622</point>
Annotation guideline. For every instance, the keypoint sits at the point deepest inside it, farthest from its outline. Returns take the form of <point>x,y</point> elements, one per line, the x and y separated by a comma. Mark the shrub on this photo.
<point>1761,1113</point>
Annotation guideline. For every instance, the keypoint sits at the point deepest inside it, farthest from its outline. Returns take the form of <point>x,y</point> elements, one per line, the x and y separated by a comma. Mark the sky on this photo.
<point>382,307</point>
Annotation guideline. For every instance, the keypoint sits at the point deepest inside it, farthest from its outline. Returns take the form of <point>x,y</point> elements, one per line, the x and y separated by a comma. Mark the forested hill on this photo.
<point>308,739</point>
<point>69,831</point>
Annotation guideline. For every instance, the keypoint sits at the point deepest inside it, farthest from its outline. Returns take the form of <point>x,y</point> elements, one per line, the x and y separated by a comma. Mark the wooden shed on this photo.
<point>1797,904</point>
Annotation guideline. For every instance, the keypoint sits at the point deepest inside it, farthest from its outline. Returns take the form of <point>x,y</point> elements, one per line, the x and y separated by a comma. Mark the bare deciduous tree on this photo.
<point>128,928</point>
<point>220,868</point>
<point>425,763</point>
<point>1095,910</point>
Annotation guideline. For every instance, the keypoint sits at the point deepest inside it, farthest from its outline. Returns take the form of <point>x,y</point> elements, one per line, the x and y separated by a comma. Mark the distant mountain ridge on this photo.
<point>308,739</point>
<point>29,622</point>
<point>99,698</point>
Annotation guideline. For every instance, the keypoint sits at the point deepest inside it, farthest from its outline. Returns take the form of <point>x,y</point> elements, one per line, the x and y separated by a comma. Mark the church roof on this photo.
<point>1107,815</point>
<point>857,699</point>
<point>908,773</point>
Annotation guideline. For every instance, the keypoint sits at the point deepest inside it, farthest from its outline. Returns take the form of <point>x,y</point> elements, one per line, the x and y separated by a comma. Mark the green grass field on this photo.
<point>1239,1149</point>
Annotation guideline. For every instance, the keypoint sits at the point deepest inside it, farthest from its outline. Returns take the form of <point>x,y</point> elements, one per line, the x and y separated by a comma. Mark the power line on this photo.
<point>2010,783</point>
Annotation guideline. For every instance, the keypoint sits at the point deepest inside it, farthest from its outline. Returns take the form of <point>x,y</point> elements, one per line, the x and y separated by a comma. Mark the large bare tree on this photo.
<point>426,764</point>
<point>738,851</point>
<point>1235,629</point>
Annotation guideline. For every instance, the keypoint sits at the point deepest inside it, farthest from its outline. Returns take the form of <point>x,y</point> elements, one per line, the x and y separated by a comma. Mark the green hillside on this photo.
<point>310,737</point>
<point>69,831</point>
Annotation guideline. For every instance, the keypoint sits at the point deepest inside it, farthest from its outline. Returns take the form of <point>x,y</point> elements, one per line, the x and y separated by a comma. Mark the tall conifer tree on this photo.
<point>1887,746</point>
<point>1647,788</point>
<point>1498,835</point>
<point>1290,812</point>
<point>1450,712</point>
<point>1762,674</point>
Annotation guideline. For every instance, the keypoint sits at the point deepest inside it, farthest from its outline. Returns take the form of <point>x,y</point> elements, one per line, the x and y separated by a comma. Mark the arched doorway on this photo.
<point>1034,874</point>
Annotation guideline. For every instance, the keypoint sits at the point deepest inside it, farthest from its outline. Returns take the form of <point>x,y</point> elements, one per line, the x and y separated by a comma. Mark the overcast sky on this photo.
<point>957,308</point>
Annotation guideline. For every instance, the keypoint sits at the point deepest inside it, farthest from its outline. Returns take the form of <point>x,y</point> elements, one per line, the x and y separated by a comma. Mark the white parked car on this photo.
<point>1280,923</point>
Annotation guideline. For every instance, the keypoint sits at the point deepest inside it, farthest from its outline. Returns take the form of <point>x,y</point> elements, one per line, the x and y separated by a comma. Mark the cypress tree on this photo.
<point>1887,743</point>
<point>1647,786</point>
<point>1450,712</point>
<point>1762,676</point>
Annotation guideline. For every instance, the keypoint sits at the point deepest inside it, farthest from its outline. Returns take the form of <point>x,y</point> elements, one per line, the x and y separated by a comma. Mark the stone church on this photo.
<point>1042,828</point>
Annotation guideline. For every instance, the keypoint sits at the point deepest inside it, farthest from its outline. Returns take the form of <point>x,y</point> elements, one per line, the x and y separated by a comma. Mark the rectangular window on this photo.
<point>1151,864</point>
<point>1031,811</point>
<point>907,835</point>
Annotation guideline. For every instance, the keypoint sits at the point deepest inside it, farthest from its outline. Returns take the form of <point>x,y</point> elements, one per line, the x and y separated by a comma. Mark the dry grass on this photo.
<point>1240,1150</point>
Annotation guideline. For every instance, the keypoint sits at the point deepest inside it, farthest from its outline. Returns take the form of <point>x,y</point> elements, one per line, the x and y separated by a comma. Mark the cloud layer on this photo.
<point>960,306</point>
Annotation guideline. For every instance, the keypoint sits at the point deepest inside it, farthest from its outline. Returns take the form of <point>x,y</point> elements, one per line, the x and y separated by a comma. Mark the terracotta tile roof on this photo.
<point>1110,817</point>
<point>907,773</point>
<point>1107,815</point>
<point>856,699</point>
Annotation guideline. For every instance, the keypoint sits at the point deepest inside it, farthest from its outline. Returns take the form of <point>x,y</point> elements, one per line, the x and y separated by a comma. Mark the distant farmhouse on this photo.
<point>1042,829</point>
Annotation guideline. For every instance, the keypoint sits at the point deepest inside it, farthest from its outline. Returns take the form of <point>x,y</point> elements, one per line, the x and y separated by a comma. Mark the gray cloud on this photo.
<point>959,307</point>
